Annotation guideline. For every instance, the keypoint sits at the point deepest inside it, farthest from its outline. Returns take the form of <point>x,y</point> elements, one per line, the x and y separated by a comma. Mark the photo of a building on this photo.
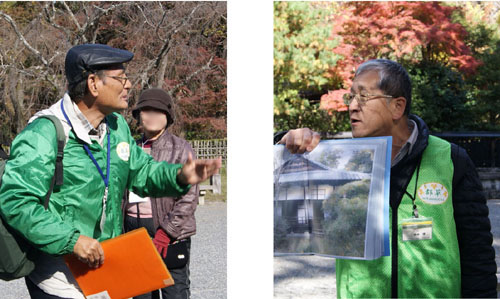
<point>302,187</point>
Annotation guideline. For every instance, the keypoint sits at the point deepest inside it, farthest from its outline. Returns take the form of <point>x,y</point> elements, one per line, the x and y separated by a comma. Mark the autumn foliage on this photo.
<point>410,32</point>
<point>449,49</point>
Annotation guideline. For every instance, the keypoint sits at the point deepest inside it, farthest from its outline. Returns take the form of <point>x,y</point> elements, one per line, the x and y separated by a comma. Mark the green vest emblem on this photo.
<point>433,193</point>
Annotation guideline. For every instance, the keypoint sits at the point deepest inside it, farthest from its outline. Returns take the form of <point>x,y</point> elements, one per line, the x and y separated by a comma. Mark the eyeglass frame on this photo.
<point>119,79</point>
<point>361,98</point>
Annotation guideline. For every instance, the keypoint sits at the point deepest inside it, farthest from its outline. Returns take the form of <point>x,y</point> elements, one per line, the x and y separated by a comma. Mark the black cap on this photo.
<point>83,60</point>
<point>156,98</point>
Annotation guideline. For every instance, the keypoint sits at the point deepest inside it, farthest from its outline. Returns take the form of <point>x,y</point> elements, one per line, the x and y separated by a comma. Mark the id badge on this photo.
<point>134,198</point>
<point>417,229</point>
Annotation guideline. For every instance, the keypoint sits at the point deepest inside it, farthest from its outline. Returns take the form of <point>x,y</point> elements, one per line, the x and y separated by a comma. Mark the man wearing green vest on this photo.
<point>430,179</point>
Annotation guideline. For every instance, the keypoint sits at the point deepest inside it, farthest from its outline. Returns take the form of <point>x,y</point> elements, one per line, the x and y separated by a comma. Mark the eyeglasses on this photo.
<point>362,99</point>
<point>123,80</point>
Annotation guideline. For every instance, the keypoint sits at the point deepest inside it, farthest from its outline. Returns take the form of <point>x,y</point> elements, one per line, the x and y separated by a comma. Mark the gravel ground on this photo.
<point>314,276</point>
<point>494,207</point>
<point>15,289</point>
<point>304,277</point>
<point>208,257</point>
<point>209,252</point>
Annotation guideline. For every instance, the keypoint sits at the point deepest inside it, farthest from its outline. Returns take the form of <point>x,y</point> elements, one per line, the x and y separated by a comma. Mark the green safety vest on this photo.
<point>426,268</point>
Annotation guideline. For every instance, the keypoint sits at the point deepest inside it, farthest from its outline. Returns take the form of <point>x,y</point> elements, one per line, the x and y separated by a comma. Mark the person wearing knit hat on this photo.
<point>170,221</point>
<point>155,98</point>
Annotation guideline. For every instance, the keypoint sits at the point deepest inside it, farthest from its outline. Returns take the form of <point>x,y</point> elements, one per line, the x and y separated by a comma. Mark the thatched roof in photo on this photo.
<point>302,171</point>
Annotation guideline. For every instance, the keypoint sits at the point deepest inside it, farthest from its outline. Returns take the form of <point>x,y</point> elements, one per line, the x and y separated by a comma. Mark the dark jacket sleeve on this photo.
<point>277,136</point>
<point>180,220</point>
<point>477,256</point>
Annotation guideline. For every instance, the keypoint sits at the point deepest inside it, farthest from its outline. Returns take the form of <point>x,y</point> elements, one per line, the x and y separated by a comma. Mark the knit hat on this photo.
<point>156,98</point>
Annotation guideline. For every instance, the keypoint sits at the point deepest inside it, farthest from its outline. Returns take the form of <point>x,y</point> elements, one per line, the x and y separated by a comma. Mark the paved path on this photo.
<point>208,257</point>
<point>304,277</point>
<point>209,252</point>
<point>494,206</point>
<point>314,277</point>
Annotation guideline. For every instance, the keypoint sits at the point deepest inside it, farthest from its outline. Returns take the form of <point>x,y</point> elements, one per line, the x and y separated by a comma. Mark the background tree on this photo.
<point>439,93</point>
<point>417,34</point>
<point>302,59</point>
<point>482,21</point>
<point>178,46</point>
<point>449,49</point>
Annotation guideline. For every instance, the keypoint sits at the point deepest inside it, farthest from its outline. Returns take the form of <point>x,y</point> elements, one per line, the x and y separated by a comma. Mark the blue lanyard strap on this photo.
<point>104,178</point>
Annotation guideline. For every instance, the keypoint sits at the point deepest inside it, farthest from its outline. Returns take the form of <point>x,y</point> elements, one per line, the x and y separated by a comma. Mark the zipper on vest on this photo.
<point>394,254</point>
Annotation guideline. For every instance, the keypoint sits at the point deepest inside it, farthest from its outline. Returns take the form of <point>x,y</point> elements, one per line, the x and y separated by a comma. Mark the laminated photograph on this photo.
<point>333,201</point>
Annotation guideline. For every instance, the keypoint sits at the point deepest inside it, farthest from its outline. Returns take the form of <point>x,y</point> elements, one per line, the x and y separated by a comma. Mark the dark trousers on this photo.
<point>36,293</point>
<point>180,290</point>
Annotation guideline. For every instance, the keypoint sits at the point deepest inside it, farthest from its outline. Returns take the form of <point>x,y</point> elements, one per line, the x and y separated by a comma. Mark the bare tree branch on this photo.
<point>7,67</point>
<point>75,21</point>
<point>186,19</point>
<point>169,35</point>
<point>49,78</point>
<point>161,73</point>
<point>50,19</point>
<point>178,41</point>
<point>21,37</point>
<point>190,76</point>
<point>51,59</point>
<point>157,30</point>
<point>146,21</point>
<point>94,21</point>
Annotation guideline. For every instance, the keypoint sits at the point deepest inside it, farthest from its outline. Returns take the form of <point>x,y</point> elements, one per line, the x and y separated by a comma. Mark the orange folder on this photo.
<point>132,266</point>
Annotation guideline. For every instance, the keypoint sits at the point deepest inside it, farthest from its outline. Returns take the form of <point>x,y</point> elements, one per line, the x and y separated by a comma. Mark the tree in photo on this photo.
<point>330,158</point>
<point>361,161</point>
<point>281,229</point>
<point>345,219</point>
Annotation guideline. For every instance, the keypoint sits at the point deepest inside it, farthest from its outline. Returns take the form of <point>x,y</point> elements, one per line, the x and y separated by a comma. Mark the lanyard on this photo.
<point>415,210</point>
<point>104,178</point>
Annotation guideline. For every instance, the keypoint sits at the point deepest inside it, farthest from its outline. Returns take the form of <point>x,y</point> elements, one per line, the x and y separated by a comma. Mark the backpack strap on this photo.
<point>3,154</point>
<point>57,179</point>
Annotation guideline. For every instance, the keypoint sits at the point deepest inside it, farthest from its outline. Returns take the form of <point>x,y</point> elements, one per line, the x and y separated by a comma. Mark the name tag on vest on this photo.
<point>417,229</point>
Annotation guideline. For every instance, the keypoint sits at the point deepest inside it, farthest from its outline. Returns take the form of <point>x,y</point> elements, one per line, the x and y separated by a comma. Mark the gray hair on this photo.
<point>79,90</point>
<point>394,80</point>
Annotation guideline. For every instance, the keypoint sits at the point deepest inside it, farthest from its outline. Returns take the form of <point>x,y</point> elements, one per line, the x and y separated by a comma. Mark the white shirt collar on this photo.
<point>81,125</point>
<point>86,126</point>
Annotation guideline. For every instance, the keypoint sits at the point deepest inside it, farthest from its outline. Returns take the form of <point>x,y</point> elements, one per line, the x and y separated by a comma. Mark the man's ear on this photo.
<point>398,106</point>
<point>92,82</point>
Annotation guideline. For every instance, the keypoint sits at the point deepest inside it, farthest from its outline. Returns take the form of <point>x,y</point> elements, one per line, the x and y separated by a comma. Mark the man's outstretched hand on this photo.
<point>196,171</point>
<point>301,140</point>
